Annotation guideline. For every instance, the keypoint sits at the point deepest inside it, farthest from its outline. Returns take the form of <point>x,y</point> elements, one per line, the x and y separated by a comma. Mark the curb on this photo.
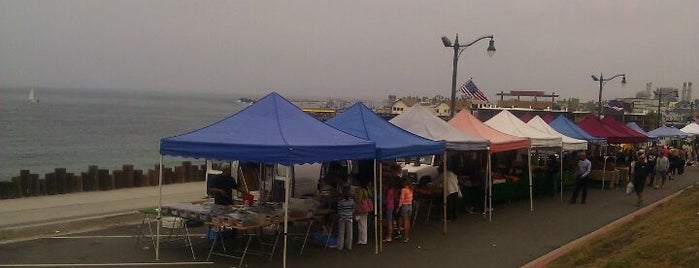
<point>557,253</point>
<point>42,230</point>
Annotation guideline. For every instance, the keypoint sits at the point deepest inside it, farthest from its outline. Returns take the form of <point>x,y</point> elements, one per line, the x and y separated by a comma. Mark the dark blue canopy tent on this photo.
<point>638,129</point>
<point>272,130</point>
<point>391,141</point>
<point>566,127</point>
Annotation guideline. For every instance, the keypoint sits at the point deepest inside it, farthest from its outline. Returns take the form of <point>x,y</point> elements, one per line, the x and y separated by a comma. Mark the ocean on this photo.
<point>74,128</point>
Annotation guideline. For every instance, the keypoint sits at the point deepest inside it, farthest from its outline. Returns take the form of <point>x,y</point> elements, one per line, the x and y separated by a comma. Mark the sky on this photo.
<point>347,49</point>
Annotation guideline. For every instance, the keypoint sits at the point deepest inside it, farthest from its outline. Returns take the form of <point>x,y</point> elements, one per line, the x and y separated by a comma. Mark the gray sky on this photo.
<point>360,48</point>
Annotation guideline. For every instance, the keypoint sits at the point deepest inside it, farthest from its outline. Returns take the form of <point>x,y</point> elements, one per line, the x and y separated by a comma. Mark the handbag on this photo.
<point>629,188</point>
<point>365,206</point>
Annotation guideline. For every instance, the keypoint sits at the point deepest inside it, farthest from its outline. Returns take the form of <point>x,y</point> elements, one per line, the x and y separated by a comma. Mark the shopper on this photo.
<point>221,187</point>
<point>581,181</point>
<point>345,213</point>
<point>453,192</point>
<point>640,173</point>
<point>389,203</point>
<point>405,204</point>
<point>662,165</point>
<point>364,206</point>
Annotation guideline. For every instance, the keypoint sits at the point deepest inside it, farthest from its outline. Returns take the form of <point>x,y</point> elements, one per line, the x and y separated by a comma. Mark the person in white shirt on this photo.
<point>453,192</point>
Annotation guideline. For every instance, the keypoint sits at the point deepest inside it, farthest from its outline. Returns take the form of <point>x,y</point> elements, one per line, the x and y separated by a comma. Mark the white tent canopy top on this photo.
<point>508,123</point>
<point>692,128</point>
<point>569,144</point>
<point>424,123</point>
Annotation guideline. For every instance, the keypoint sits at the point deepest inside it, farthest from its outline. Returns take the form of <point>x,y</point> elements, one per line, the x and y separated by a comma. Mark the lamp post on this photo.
<point>660,99</point>
<point>458,48</point>
<point>601,80</point>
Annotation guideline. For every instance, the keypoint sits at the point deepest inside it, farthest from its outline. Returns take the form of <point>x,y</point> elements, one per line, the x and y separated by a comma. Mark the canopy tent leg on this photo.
<point>560,159</point>
<point>160,203</point>
<point>531,196</point>
<point>380,208</point>
<point>604,171</point>
<point>376,222</point>
<point>206,177</point>
<point>287,192</point>
<point>444,192</point>
<point>489,187</point>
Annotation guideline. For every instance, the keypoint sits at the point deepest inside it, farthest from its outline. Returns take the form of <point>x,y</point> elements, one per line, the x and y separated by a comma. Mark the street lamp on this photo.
<point>601,80</point>
<point>458,48</point>
<point>660,99</point>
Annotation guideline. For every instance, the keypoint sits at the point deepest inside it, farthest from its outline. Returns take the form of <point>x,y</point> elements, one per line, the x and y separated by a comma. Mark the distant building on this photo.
<point>441,109</point>
<point>534,99</point>
<point>402,104</point>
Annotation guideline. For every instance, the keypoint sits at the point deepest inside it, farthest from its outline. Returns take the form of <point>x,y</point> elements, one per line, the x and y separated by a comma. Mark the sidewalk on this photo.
<point>26,217</point>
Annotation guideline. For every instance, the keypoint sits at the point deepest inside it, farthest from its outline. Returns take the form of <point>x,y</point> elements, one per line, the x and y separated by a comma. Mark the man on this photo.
<point>453,192</point>
<point>581,181</point>
<point>221,187</point>
<point>640,174</point>
<point>662,165</point>
<point>651,158</point>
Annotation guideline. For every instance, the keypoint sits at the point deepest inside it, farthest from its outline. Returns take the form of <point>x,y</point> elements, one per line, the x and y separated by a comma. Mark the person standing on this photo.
<point>640,173</point>
<point>581,181</point>
<point>363,196</point>
<point>221,187</point>
<point>453,192</point>
<point>662,165</point>
<point>651,158</point>
<point>405,202</point>
<point>389,207</point>
<point>345,213</point>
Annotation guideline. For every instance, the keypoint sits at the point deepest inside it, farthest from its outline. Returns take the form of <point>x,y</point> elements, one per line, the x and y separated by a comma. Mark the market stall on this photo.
<point>498,141</point>
<point>271,131</point>
<point>424,123</point>
<point>506,122</point>
<point>391,142</point>
<point>637,128</point>
<point>668,132</point>
<point>566,127</point>
<point>691,128</point>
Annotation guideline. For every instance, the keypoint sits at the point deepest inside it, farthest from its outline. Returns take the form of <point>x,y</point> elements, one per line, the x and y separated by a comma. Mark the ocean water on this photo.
<point>72,128</point>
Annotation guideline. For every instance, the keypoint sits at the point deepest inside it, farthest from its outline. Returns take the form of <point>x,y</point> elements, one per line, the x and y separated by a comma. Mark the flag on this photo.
<point>471,90</point>
<point>614,105</point>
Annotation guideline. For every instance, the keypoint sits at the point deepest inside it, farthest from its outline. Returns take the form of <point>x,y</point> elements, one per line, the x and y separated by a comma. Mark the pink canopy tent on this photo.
<point>593,126</point>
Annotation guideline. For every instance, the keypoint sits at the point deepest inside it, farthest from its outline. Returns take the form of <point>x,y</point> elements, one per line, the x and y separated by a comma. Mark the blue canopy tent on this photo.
<point>665,132</point>
<point>391,141</point>
<point>638,129</point>
<point>272,130</point>
<point>566,127</point>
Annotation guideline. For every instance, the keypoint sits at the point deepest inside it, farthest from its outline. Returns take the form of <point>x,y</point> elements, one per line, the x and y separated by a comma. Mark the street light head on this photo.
<point>446,41</point>
<point>623,80</point>
<point>491,48</point>
<point>595,78</point>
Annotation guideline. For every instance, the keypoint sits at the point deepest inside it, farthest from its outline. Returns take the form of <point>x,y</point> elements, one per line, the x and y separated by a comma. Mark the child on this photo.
<point>345,212</point>
<point>405,204</point>
<point>390,205</point>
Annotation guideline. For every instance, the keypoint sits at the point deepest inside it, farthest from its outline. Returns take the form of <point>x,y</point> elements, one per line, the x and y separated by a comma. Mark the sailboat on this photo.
<point>32,97</point>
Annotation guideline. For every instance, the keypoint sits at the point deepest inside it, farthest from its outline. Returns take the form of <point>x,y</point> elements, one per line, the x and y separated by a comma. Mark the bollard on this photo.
<point>34,185</point>
<point>24,178</point>
<point>51,184</point>
<point>90,179</point>
<point>5,189</point>
<point>106,182</point>
<point>179,174</point>
<point>77,184</point>
<point>152,177</point>
<point>168,176</point>
<point>60,180</point>
<point>70,181</point>
<point>118,179</point>
<point>139,179</point>
<point>42,186</point>
<point>187,169</point>
<point>194,173</point>
<point>128,176</point>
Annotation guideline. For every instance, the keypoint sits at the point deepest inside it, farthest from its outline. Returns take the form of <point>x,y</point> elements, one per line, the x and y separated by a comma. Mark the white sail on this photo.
<point>32,97</point>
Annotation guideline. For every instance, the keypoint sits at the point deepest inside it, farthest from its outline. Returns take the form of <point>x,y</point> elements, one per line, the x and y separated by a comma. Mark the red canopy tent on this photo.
<point>593,126</point>
<point>526,117</point>
<point>548,118</point>
<point>621,127</point>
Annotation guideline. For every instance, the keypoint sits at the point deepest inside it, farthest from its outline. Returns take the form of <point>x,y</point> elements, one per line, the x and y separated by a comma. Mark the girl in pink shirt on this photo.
<point>406,208</point>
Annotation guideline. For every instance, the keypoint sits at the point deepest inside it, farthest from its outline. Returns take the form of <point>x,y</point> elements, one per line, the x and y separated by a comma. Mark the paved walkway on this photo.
<point>515,237</point>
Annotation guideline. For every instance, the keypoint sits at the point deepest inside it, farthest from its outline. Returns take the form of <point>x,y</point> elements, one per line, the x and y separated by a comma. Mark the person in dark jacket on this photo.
<point>641,169</point>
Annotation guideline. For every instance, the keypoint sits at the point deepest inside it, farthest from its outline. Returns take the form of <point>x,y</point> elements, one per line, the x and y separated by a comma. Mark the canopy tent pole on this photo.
<point>380,208</point>
<point>160,203</point>
<point>489,187</point>
<point>560,159</point>
<point>531,196</point>
<point>286,212</point>
<point>604,170</point>
<point>376,223</point>
<point>444,192</point>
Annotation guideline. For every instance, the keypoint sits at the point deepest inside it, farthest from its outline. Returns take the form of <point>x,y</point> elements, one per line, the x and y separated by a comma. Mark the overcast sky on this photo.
<point>359,48</point>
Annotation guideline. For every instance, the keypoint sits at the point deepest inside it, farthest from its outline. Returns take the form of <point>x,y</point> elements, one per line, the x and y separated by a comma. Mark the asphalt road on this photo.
<point>514,237</point>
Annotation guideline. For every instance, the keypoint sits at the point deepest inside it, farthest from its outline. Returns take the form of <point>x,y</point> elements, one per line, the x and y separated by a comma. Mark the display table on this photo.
<point>605,175</point>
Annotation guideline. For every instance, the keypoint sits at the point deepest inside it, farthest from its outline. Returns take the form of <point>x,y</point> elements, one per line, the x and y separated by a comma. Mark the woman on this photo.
<point>389,202</point>
<point>640,173</point>
<point>362,213</point>
<point>405,204</point>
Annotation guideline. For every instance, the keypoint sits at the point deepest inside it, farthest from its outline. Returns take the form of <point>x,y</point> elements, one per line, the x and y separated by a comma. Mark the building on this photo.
<point>441,109</point>
<point>402,104</point>
<point>534,99</point>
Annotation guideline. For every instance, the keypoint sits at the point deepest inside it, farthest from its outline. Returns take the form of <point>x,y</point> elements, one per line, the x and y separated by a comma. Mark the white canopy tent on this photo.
<point>508,123</point>
<point>692,128</point>
<point>424,123</point>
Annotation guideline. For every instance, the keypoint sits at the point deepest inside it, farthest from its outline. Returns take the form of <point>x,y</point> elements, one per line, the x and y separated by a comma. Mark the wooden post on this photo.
<point>187,169</point>
<point>78,184</point>
<point>179,174</point>
<point>168,175</point>
<point>42,186</point>
<point>152,177</point>
<point>34,188</point>
<point>194,173</point>
<point>139,179</point>
<point>24,182</point>
<point>118,179</point>
<point>70,181</point>
<point>51,184</point>
<point>60,180</point>
<point>128,176</point>
<point>5,189</point>
<point>106,181</point>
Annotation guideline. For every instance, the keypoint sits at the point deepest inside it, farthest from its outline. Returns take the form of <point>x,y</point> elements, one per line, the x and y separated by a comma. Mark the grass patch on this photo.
<point>668,236</point>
